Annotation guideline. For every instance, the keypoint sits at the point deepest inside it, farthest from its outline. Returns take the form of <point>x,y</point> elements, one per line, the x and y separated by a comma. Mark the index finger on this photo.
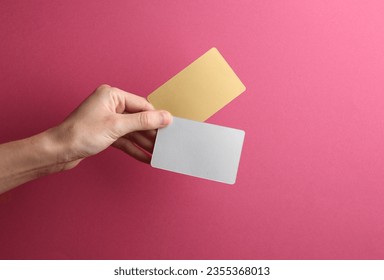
<point>129,102</point>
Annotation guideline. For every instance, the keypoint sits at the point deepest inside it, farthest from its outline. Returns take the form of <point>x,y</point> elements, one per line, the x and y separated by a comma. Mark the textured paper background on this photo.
<point>310,183</point>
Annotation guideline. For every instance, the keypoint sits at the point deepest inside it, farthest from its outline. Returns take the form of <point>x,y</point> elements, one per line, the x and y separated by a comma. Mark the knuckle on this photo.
<point>103,90</point>
<point>145,120</point>
<point>103,87</point>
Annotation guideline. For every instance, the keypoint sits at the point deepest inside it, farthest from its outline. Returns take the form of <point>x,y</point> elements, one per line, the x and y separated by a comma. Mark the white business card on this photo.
<point>199,149</point>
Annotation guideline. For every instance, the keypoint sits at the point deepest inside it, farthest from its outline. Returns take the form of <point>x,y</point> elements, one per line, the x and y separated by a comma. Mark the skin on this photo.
<point>108,117</point>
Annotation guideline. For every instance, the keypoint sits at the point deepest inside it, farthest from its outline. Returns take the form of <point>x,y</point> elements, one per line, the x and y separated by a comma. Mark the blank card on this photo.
<point>199,149</point>
<point>200,90</point>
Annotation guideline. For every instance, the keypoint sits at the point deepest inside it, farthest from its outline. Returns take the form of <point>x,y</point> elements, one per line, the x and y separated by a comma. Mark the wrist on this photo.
<point>59,150</point>
<point>31,158</point>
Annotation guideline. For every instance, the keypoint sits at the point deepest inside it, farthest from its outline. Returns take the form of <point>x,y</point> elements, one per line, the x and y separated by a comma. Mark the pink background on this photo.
<point>311,177</point>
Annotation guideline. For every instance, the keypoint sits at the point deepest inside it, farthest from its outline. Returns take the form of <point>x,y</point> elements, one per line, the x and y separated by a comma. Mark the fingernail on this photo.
<point>166,118</point>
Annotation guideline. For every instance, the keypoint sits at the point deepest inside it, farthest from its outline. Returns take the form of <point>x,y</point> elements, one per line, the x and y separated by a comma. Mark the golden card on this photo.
<point>200,90</point>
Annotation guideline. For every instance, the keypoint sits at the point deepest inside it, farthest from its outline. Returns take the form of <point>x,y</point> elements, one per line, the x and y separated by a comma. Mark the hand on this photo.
<point>107,117</point>
<point>110,116</point>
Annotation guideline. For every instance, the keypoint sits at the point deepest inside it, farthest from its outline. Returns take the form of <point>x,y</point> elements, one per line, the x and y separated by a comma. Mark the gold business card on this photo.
<point>200,90</point>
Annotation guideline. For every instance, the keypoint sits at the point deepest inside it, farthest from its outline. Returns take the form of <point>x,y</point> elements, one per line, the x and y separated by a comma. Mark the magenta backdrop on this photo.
<point>311,177</point>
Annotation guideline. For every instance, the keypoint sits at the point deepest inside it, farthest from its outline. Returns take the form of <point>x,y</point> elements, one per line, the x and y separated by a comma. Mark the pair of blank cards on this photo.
<point>188,145</point>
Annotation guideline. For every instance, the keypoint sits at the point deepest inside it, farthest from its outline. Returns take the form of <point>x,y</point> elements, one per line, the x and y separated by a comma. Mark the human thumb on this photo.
<point>146,120</point>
